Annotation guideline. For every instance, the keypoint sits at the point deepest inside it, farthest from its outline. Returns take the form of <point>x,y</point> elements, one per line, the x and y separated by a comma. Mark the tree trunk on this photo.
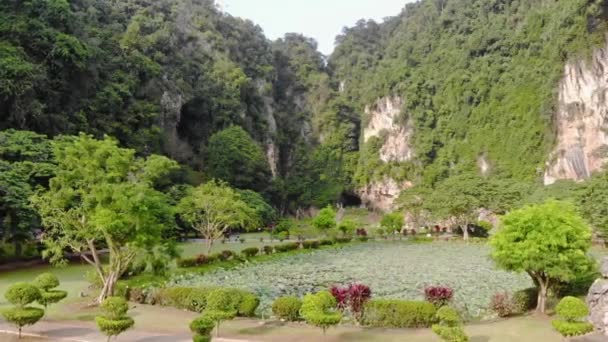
<point>465,232</point>
<point>108,287</point>
<point>542,296</point>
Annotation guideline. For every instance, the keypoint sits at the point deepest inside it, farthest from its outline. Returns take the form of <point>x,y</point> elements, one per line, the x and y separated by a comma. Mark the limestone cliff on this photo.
<point>581,120</point>
<point>380,194</point>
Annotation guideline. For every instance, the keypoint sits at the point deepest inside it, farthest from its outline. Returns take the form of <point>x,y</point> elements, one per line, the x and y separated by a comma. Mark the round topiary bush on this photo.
<point>22,316</point>
<point>287,308</point>
<point>220,307</point>
<point>320,310</point>
<point>115,320</point>
<point>22,294</point>
<point>568,329</point>
<point>51,297</point>
<point>115,307</point>
<point>202,327</point>
<point>571,309</point>
<point>46,281</point>
<point>113,327</point>
<point>450,334</point>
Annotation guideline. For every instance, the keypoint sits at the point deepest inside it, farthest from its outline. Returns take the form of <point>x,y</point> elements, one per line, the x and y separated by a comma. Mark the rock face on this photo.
<point>597,300</point>
<point>381,195</point>
<point>581,120</point>
<point>382,116</point>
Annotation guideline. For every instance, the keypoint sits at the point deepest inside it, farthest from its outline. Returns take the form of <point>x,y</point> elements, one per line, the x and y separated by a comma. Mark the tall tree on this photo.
<point>103,194</point>
<point>548,241</point>
<point>213,208</point>
<point>25,163</point>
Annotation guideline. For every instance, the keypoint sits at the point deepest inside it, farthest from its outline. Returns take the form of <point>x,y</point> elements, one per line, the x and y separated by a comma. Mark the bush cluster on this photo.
<point>311,244</point>
<point>502,304</point>
<point>285,247</point>
<point>572,312</point>
<point>195,298</point>
<point>393,313</point>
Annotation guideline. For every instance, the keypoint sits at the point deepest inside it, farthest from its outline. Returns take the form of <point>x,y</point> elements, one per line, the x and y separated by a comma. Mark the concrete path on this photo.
<point>85,332</point>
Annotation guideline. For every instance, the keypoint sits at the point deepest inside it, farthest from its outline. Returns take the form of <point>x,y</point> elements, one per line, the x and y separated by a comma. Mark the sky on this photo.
<point>322,20</point>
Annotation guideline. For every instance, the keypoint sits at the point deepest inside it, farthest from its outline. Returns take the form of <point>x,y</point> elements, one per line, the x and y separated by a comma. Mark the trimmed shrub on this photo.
<point>326,242</point>
<point>114,321</point>
<point>448,316</point>
<point>502,304</point>
<point>449,327</point>
<point>450,334</point>
<point>226,255</point>
<point>438,295</point>
<point>320,310</point>
<point>285,247</point>
<point>311,244</point>
<point>22,294</point>
<point>343,239</point>
<point>422,239</point>
<point>572,328</point>
<point>363,238</point>
<point>23,316</point>
<point>572,309</point>
<point>287,308</point>
<point>46,281</point>
<point>220,307</point>
<point>250,252</point>
<point>202,327</point>
<point>193,299</point>
<point>525,300</point>
<point>392,313</point>
<point>268,250</point>
<point>248,304</point>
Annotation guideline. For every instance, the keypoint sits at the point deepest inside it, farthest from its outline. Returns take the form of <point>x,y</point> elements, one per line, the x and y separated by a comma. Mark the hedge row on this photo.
<point>392,313</point>
<point>246,253</point>
<point>193,298</point>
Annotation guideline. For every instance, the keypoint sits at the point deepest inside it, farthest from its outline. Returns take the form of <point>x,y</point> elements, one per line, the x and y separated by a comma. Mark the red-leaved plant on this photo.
<point>438,295</point>
<point>352,297</point>
<point>341,296</point>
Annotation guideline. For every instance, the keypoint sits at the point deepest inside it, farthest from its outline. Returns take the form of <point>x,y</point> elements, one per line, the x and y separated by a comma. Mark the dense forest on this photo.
<point>182,79</point>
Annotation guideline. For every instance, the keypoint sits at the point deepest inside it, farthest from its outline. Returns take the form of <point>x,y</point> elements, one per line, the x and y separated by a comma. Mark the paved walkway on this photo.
<point>86,332</point>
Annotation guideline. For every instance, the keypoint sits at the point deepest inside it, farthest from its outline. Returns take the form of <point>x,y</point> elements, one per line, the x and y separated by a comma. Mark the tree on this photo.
<point>266,213</point>
<point>347,227</point>
<point>20,295</point>
<point>456,199</point>
<point>102,193</point>
<point>392,222</point>
<point>213,208</point>
<point>233,156</point>
<point>114,320</point>
<point>412,201</point>
<point>25,163</point>
<point>325,219</point>
<point>47,283</point>
<point>549,241</point>
<point>592,202</point>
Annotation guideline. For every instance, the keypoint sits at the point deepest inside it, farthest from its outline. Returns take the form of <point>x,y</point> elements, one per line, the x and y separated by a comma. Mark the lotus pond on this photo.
<point>393,269</point>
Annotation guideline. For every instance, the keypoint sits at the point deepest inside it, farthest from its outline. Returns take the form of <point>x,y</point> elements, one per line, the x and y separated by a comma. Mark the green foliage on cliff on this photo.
<point>478,77</point>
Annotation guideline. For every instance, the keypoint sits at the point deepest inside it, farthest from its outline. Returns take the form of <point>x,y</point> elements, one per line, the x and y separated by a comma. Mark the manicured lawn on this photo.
<point>393,269</point>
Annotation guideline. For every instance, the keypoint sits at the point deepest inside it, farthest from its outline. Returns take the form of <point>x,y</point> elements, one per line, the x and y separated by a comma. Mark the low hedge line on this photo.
<point>392,313</point>
<point>193,298</point>
<point>247,253</point>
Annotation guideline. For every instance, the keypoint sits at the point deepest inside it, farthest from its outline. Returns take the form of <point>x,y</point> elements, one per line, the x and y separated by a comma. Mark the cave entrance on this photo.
<point>349,199</point>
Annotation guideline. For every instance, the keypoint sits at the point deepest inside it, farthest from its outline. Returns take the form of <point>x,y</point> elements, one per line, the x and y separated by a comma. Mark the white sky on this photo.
<point>322,20</point>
